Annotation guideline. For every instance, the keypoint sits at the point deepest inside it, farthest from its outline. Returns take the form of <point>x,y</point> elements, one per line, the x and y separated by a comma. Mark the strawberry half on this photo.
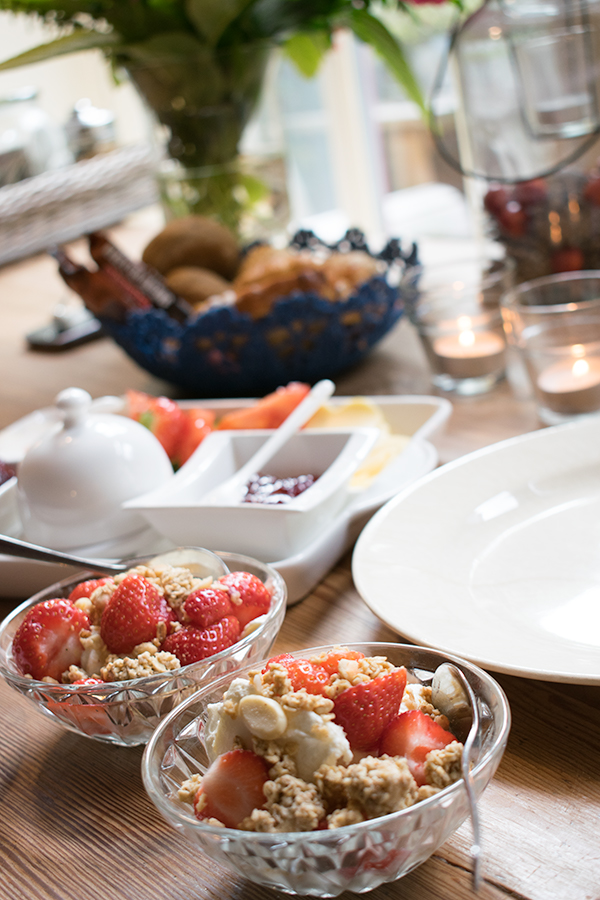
<point>191,644</point>
<point>414,734</point>
<point>162,416</point>
<point>198,423</point>
<point>270,411</point>
<point>132,614</point>
<point>232,787</point>
<point>364,710</point>
<point>255,597</point>
<point>47,640</point>
<point>86,588</point>
<point>206,606</point>
<point>302,673</point>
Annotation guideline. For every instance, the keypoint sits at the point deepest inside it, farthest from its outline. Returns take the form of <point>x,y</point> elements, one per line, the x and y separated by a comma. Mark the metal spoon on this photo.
<point>447,698</point>
<point>200,561</point>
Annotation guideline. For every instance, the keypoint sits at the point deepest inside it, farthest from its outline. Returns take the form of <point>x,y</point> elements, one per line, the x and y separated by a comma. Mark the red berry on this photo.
<point>364,710</point>
<point>495,200</point>
<point>191,644</point>
<point>255,597</point>
<point>132,614</point>
<point>198,423</point>
<point>527,193</point>
<point>413,735</point>
<point>513,219</point>
<point>162,416</point>
<point>232,787</point>
<point>206,606</point>
<point>86,588</point>
<point>89,681</point>
<point>47,640</point>
<point>591,191</point>
<point>567,259</point>
<point>302,673</point>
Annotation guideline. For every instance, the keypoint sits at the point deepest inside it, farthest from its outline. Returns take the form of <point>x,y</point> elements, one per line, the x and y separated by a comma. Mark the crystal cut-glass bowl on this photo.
<point>327,862</point>
<point>127,712</point>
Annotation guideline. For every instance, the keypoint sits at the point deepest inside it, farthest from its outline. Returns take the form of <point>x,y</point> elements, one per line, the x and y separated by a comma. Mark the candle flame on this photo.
<point>580,368</point>
<point>467,339</point>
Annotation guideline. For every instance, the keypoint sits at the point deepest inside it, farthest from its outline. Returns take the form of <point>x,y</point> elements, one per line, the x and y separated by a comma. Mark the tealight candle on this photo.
<point>468,353</point>
<point>571,386</point>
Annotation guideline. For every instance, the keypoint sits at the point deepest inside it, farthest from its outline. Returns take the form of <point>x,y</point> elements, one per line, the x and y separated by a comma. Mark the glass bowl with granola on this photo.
<point>330,769</point>
<point>109,657</point>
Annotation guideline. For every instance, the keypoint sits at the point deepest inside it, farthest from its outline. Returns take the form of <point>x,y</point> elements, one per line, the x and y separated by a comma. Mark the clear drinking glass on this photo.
<point>554,324</point>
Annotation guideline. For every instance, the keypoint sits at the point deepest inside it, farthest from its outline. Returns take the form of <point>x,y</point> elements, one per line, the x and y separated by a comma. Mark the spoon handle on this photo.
<point>31,551</point>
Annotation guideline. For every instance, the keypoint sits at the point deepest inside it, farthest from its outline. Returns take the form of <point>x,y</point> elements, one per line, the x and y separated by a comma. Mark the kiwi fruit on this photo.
<point>194,241</point>
<point>195,284</point>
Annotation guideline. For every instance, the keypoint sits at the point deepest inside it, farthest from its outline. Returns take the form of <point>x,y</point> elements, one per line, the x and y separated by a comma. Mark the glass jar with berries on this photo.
<point>548,225</point>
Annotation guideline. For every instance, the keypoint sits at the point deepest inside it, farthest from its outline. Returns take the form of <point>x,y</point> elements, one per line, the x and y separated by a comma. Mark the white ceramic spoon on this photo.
<point>230,490</point>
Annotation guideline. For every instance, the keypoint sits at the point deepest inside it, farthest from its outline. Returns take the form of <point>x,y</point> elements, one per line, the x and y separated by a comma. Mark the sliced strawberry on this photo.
<point>365,709</point>
<point>162,416</point>
<point>132,614</point>
<point>47,640</point>
<point>198,423</point>
<point>269,412</point>
<point>331,661</point>
<point>232,787</point>
<point>302,673</point>
<point>206,606</point>
<point>191,644</point>
<point>255,596</point>
<point>86,588</point>
<point>414,734</point>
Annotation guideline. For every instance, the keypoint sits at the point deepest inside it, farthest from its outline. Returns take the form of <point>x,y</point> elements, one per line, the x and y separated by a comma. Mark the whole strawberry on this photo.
<point>365,709</point>
<point>132,614</point>
<point>47,640</point>
<point>191,644</point>
<point>251,598</point>
<point>206,606</point>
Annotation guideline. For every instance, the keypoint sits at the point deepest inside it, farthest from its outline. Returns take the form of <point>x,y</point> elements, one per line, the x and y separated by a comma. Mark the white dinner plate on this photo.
<point>496,556</point>
<point>421,417</point>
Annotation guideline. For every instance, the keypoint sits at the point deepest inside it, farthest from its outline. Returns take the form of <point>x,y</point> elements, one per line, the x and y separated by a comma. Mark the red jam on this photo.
<point>6,472</point>
<point>270,489</point>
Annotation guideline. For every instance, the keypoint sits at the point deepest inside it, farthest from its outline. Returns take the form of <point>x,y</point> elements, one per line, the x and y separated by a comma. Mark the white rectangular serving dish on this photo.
<point>420,417</point>
<point>182,511</point>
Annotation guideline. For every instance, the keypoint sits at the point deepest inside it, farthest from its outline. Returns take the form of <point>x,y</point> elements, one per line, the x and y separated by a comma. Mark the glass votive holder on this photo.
<point>461,332</point>
<point>554,325</point>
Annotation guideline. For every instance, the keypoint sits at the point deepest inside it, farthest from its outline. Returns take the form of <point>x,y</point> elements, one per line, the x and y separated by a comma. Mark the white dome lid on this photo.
<point>73,481</point>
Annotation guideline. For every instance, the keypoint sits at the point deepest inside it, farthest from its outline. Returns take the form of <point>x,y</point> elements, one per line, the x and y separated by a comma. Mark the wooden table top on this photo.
<point>75,822</point>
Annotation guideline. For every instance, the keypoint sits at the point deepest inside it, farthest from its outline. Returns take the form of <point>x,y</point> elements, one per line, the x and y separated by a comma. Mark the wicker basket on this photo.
<point>60,206</point>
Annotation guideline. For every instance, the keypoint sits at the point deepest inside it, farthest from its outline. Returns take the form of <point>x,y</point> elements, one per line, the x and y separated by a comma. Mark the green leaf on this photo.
<point>212,17</point>
<point>306,50</point>
<point>71,43</point>
<point>373,32</point>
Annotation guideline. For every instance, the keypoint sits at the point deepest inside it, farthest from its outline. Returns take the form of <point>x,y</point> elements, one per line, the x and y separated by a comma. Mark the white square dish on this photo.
<point>183,509</point>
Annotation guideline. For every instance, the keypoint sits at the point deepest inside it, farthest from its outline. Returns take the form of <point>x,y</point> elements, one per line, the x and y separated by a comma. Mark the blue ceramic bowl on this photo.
<point>225,353</point>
